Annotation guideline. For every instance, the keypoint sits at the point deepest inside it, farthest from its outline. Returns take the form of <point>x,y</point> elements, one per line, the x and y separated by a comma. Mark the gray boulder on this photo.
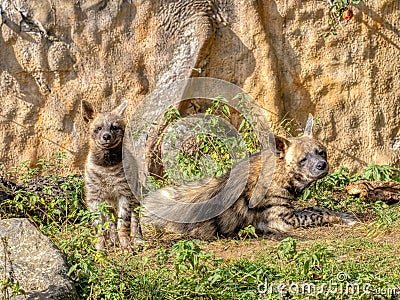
<point>29,261</point>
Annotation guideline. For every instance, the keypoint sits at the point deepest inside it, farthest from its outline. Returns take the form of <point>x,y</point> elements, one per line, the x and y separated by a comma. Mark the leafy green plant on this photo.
<point>287,127</point>
<point>307,263</point>
<point>387,219</point>
<point>171,115</point>
<point>287,248</point>
<point>248,232</point>
<point>213,148</point>
<point>42,197</point>
<point>380,172</point>
<point>323,189</point>
<point>290,127</point>
<point>189,257</point>
<point>64,205</point>
<point>10,288</point>
<point>314,261</point>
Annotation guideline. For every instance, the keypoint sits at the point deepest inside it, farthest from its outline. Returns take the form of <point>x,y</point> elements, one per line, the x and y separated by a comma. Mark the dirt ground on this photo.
<point>255,247</point>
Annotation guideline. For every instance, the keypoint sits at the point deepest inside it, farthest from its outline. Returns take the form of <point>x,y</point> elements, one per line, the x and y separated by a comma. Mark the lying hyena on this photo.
<point>105,178</point>
<point>299,162</point>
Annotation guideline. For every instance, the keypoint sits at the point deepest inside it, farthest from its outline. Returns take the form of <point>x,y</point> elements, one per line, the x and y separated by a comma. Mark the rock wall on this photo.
<point>55,53</point>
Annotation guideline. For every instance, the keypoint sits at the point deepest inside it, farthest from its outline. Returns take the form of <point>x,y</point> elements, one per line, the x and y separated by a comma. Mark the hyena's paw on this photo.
<point>114,240</point>
<point>124,244</point>
<point>348,218</point>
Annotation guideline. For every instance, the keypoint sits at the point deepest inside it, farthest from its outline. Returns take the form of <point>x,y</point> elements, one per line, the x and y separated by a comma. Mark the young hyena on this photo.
<point>105,178</point>
<point>298,162</point>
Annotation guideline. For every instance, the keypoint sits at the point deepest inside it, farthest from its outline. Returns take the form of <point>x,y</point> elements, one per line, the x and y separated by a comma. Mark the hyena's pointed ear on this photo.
<point>278,145</point>
<point>308,131</point>
<point>121,108</point>
<point>88,112</point>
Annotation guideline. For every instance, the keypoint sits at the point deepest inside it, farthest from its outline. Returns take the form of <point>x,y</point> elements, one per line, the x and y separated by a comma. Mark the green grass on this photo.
<point>324,261</point>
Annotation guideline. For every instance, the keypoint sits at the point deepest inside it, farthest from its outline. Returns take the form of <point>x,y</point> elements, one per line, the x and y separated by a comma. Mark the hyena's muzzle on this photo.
<point>317,166</point>
<point>106,135</point>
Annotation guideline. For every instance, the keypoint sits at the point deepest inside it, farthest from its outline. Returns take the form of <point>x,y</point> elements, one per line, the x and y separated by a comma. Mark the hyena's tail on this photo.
<point>194,202</point>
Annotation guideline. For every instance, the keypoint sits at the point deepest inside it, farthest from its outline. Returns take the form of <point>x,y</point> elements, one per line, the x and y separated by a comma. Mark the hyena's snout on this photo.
<point>106,137</point>
<point>322,165</point>
<point>320,168</point>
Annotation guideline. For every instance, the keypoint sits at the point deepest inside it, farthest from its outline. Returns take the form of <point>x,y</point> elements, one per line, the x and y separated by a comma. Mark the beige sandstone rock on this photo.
<point>55,53</point>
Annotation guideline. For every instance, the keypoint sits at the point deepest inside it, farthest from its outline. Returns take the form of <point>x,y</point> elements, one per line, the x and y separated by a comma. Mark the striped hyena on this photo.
<point>105,178</point>
<point>299,161</point>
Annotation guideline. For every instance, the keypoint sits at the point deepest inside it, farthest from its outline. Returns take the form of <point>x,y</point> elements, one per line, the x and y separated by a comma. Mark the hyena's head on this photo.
<point>106,128</point>
<point>304,159</point>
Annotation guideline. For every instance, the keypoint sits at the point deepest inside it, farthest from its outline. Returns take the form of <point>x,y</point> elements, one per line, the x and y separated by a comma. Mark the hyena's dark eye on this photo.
<point>302,161</point>
<point>115,127</point>
<point>321,153</point>
<point>98,129</point>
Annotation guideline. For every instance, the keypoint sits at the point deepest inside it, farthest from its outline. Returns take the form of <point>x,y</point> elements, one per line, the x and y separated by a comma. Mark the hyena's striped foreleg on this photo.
<point>98,223</point>
<point>124,221</point>
<point>317,216</point>
<point>128,223</point>
<point>282,218</point>
<point>136,231</point>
